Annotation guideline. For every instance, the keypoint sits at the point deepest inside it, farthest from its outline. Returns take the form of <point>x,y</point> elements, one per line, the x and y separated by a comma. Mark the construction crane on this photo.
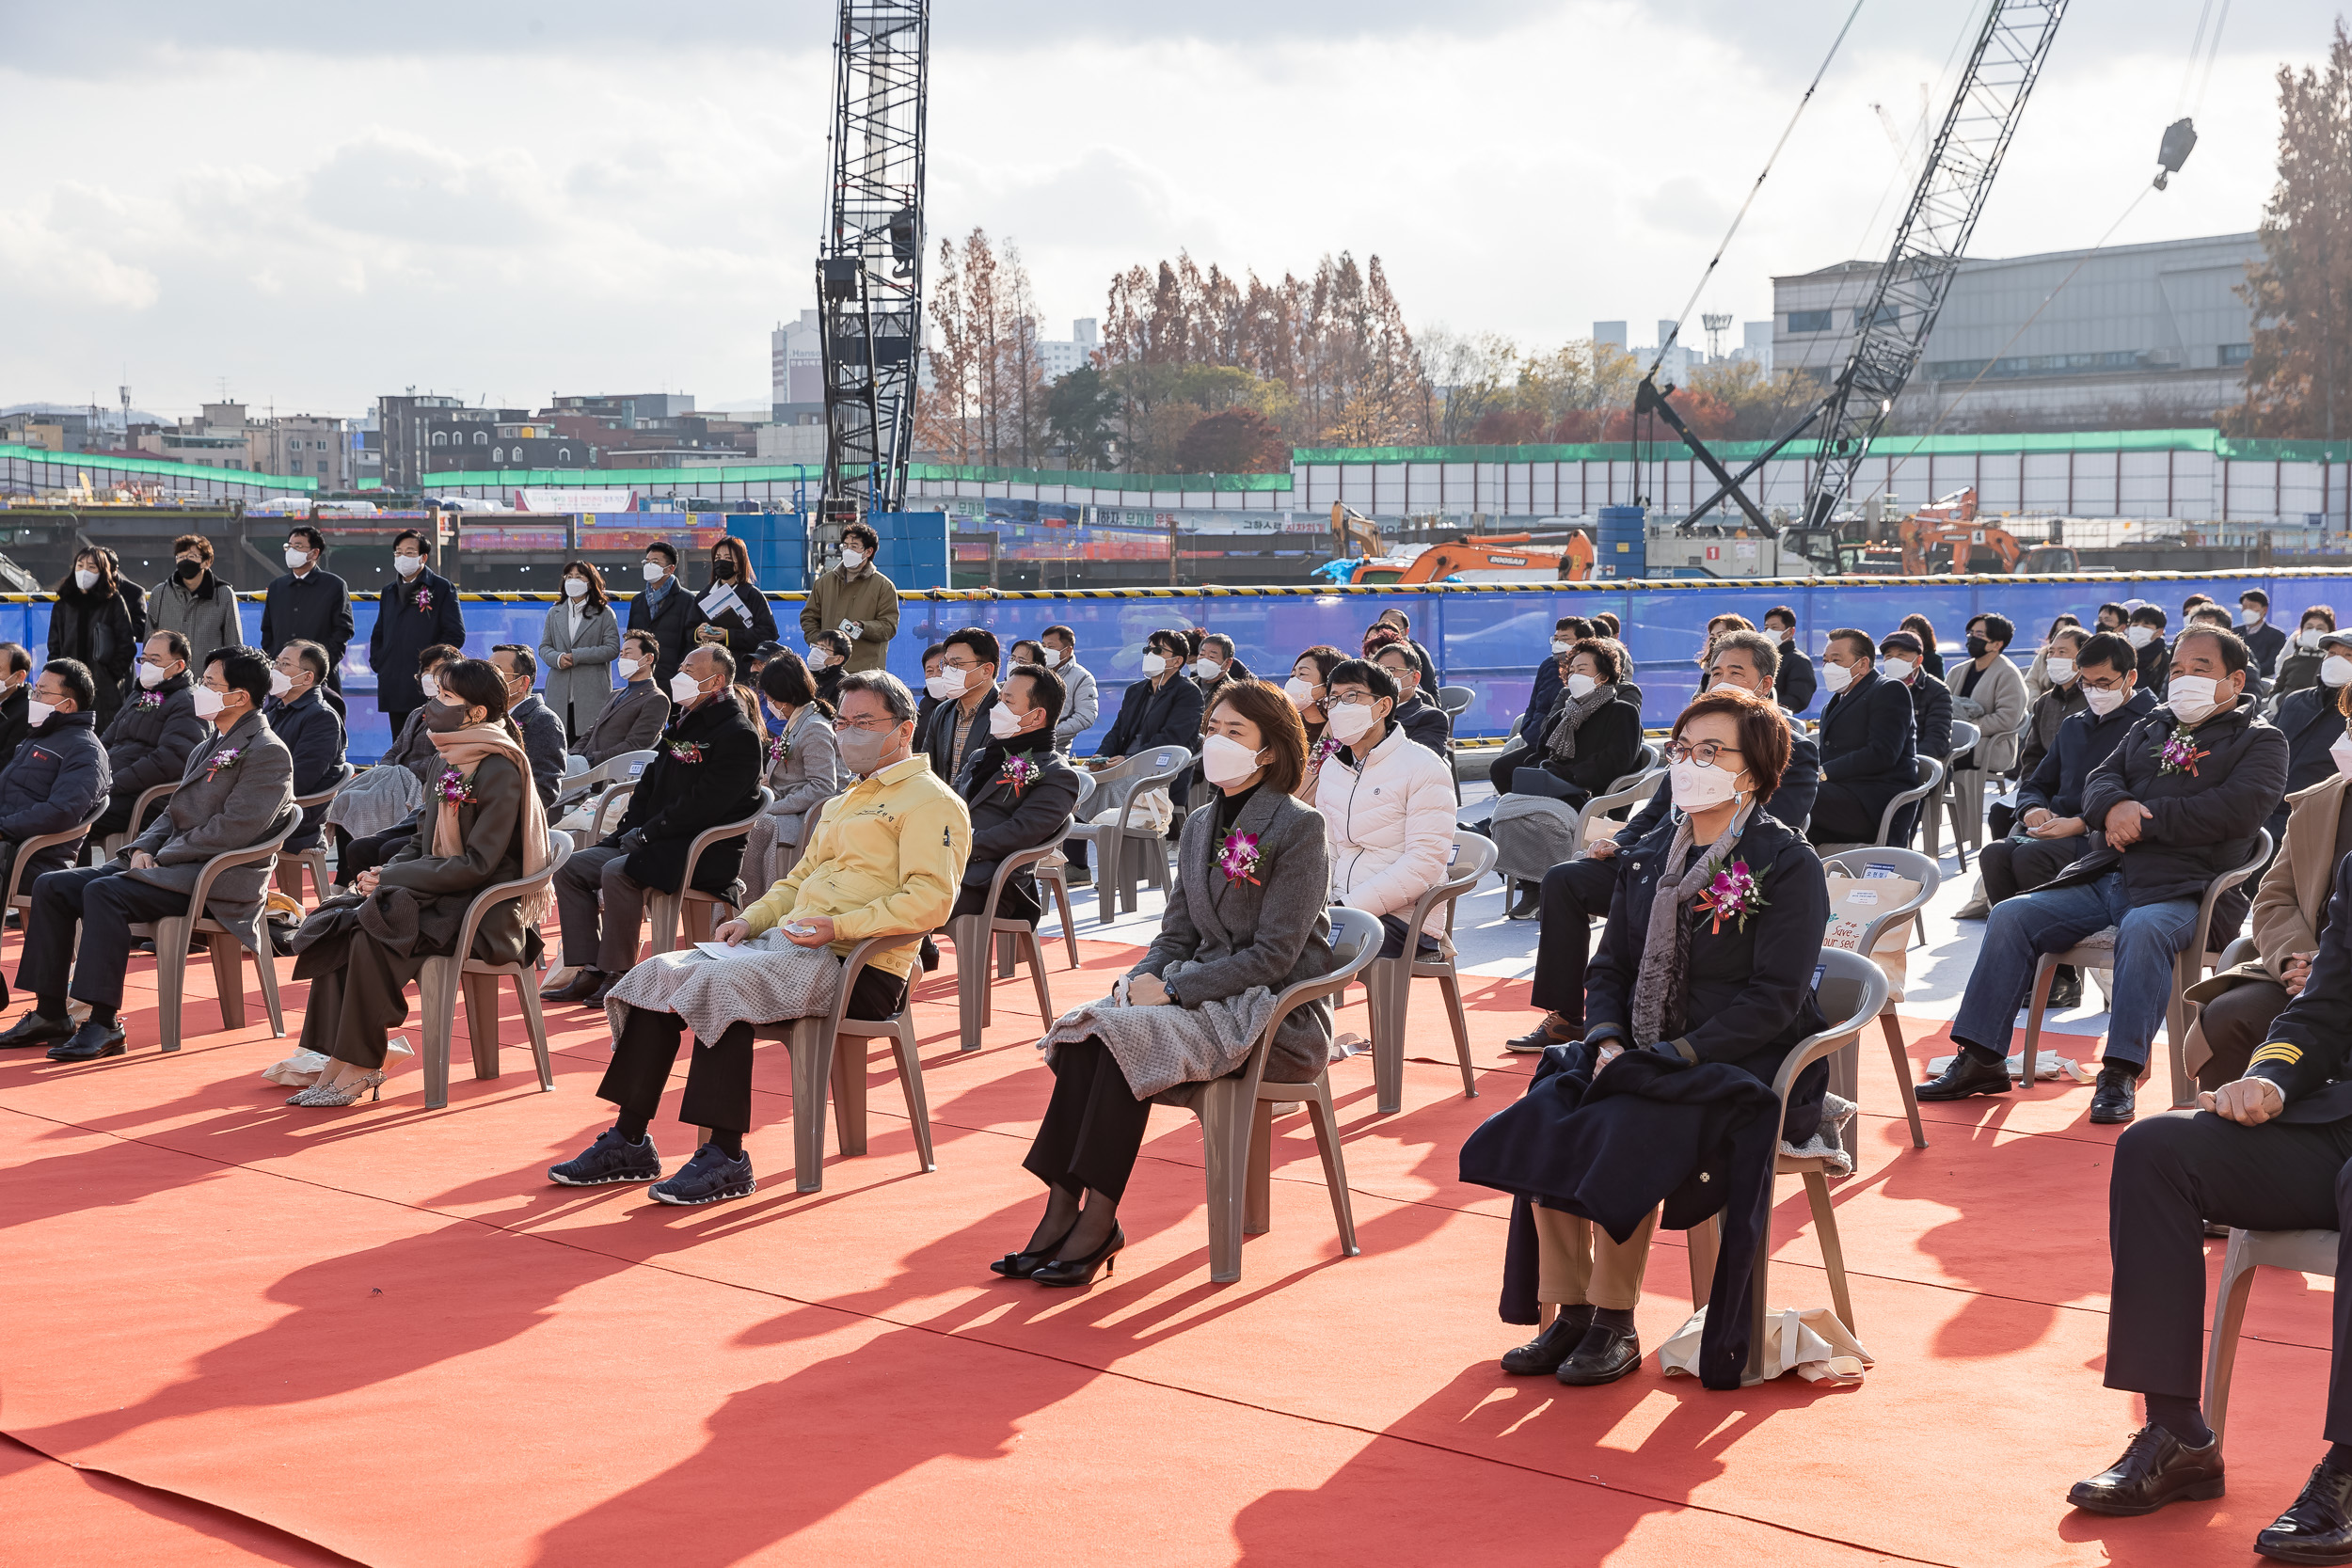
<point>870,261</point>
<point>1892,325</point>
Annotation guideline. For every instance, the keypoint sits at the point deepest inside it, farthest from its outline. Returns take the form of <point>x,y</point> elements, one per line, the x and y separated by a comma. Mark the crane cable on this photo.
<point>1741,215</point>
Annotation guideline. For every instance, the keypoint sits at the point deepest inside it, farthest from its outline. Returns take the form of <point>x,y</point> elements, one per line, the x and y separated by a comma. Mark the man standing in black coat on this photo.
<point>2264,642</point>
<point>308,602</point>
<point>1865,739</point>
<point>2266,1152</point>
<point>1019,790</point>
<point>666,608</point>
<point>705,773</point>
<point>1794,686</point>
<point>2180,799</point>
<point>153,733</point>
<point>412,613</point>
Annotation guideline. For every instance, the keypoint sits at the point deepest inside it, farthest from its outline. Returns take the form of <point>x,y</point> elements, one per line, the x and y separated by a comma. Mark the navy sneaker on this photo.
<point>712,1176</point>
<point>611,1158</point>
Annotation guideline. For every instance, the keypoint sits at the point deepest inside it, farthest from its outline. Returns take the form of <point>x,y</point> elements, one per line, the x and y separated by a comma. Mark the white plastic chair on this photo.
<point>1122,782</point>
<point>975,935</point>
<point>446,977</point>
<point>1845,1069</point>
<point>1389,982</point>
<point>819,1064</point>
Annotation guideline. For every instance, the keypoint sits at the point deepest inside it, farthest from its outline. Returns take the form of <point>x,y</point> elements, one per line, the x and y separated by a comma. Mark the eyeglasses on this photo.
<point>873,725</point>
<point>1355,699</point>
<point>1702,752</point>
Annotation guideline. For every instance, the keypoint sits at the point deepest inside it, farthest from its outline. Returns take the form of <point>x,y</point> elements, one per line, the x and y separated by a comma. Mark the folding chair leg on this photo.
<point>1037,975</point>
<point>171,977</point>
<point>2044,970</point>
<point>1110,855</point>
<point>1833,1255</point>
<point>1902,1078</point>
<point>1450,988</point>
<point>1069,926</point>
<point>535,1025</point>
<point>1257,1204</point>
<point>812,1070</point>
<point>481,992</point>
<point>436,999</point>
<point>1225,1157</point>
<point>903,1046</point>
<point>1334,1162</point>
<point>1388,1037</point>
<point>849,1095</point>
<point>265,963</point>
<point>971,979</point>
<point>2229,1317</point>
<point>1008,954</point>
<point>227,979</point>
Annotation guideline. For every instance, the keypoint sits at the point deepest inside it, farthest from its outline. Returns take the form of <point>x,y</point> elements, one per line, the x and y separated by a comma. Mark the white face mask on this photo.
<point>296,558</point>
<point>209,703</point>
<point>2191,698</point>
<point>628,667</point>
<point>1055,658</point>
<point>1225,760</point>
<point>408,565</point>
<point>1560,645</point>
<point>1580,686</point>
<point>1350,720</point>
<point>1696,788</point>
<point>1897,668</point>
<point>853,559</point>
<point>1207,668</point>
<point>2104,700</point>
<point>819,659</point>
<point>426,684</point>
<point>2060,671</point>
<point>1298,691</point>
<point>85,578</point>
<point>1836,677</point>
<point>1003,723</point>
<point>2335,670</point>
<point>2140,637</point>
<point>152,675</point>
<point>655,572</point>
<point>684,688</point>
<point>2253,617</point>
<point>946,685</point>
<point>1153,664</point>
<point>279,683</point>
<point>2311,639</point>
<point>2340,752</point>
<point>36,712</point>
<point>576,587</point>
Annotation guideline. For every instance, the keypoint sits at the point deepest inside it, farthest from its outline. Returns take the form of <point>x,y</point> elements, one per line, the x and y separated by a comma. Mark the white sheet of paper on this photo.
<point>714,949</point>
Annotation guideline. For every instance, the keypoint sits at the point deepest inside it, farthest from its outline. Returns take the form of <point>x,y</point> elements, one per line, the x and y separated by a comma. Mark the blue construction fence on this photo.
<point>1489,637</point>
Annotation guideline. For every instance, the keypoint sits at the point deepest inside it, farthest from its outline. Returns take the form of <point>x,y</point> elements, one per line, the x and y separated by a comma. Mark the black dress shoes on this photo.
<point>604,989</point>
<point>2318,1529</point>
<point>1968,1074</point>
<point>32,1029</point>
<point>1604,1355</point>
<point>2067,990</point>
<point>89,1042</point>
<point>1544,1353</point>
<point>1528,904</point>
<point>2111,1099</point>
<point>582,986</point>
<point>2155,1469</point>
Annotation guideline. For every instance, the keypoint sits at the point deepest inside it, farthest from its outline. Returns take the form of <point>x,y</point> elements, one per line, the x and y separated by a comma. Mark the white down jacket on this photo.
<point>1391,824</point>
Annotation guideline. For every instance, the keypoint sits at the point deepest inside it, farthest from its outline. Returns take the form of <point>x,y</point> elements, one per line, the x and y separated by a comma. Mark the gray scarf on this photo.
<point>1561,746</point>
<point>1659,995</point>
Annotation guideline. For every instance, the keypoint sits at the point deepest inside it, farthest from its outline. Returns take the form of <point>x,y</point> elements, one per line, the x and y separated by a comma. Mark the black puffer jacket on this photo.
<point>2204,822</point>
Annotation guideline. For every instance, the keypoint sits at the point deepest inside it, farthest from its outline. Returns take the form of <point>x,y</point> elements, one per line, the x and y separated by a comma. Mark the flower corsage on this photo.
<point>148,700</point>
<point>455,788</point>
<point>778,750</point>
<point>1733,894</point>
<point>219,760</point>
<point>2180,753</point>
<point>684,750</point>
<point>1017,772</point>
<point>1237,856</point>
<point>424,599</point>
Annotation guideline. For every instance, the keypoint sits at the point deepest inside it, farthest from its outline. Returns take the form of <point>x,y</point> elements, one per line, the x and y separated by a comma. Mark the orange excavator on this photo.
<point>1947,536</point>
<point>1473,558</point>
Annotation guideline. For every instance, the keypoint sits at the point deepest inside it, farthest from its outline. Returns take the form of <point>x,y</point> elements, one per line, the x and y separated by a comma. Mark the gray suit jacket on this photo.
<point>631,722</point>
<point>809,775</point>
<point>587,686</point>
<point>243,803</point>
<point>1272,928</point>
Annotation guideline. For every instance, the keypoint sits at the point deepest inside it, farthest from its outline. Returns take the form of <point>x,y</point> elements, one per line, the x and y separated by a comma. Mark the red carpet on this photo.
<point>278,1335</point>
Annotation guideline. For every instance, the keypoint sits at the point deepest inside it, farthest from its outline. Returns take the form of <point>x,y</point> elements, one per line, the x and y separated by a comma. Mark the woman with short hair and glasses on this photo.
<point>1703,984</point>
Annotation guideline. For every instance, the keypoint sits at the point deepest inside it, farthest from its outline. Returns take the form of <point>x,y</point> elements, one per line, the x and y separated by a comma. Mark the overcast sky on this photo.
<point>314,204</point>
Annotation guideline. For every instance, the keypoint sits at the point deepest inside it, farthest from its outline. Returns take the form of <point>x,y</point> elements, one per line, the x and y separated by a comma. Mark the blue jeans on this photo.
<point>2149,938</point>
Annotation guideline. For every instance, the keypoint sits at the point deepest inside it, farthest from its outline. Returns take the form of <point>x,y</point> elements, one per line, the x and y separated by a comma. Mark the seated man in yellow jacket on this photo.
<point>886,857</point>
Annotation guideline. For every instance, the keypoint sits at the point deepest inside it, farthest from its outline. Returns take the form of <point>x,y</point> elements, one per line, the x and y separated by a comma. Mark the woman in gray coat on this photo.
<point>576,649</point>
<point>1249,917</point>
<point>803,772</point>
<point>193,602</point>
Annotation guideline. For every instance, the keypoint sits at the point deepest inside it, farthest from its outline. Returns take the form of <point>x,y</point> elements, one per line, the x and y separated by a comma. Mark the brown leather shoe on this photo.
<point>580,987</point>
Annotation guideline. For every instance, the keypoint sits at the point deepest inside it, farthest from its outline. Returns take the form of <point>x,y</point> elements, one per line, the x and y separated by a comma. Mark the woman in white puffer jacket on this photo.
<point>1388,804</point>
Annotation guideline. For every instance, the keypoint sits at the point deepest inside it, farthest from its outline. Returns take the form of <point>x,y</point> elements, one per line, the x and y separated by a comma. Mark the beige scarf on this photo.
<point>463,751</point>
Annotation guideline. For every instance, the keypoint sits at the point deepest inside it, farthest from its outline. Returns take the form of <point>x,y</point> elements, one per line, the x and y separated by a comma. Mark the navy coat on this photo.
<point>1795,682</point>
<point>2311,724</point>
<point>59,779</point>
<point>1149,717</point>
<point>543,745</point>
<point>672,617</point>
<point>2084,741</point>
<point>1540,697</point>
<point>402,630</point>
<point>2307,1053</point>
<point>314,735</point>
<point>1865,739</point>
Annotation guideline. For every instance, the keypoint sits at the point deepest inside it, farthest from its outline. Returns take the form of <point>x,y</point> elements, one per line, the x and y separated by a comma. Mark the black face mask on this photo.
<point>189,571</point>
<point>722,570</point>
<point>442,719</point>
<point>1976,647</point>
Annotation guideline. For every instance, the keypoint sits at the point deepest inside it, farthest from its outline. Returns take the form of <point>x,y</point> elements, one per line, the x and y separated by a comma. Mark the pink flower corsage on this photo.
<point>2180,753</point>
<point>684,750</point>
<point>1734,893</point>
<point>147,699</point>
<point>1017,772</point>
<point>219,760</point>
<point>455,788</point>
<point>778,750</point>
<point>424,599</point>
<point>1238,857</point>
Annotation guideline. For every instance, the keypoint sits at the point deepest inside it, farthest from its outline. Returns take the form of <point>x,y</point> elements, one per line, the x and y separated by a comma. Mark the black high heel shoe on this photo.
<point>1021,1265</point>
<point>1080,1271</point>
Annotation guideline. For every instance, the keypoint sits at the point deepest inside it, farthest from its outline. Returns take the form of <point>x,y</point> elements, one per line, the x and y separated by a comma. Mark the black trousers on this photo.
<point>1093,1125</point>
<point>1515,754</point>
<point>1018,902</point>
<point>1574,892</point>
<point>360,854</point>
<point>1842,817</point>
<point>719,1074</point>
<point>105,903</point>
<point>2012,865</point>
<point>2174,1172</point>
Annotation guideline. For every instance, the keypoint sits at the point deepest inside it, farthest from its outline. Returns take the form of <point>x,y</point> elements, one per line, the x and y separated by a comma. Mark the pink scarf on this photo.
<point>465,750</point>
